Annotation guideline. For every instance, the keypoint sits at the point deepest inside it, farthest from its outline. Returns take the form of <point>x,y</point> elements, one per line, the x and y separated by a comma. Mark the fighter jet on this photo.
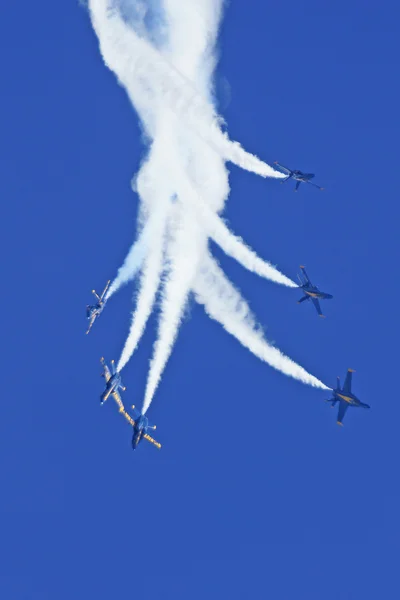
<point>312,292</point>
<point>94,310</point>
<point>140,427</point>
<point>299,177</point>
<point>345,397</point>
<point>113,384</point>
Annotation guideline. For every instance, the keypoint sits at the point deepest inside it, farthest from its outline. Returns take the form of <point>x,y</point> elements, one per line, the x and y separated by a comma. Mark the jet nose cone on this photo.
<point>329,296</point>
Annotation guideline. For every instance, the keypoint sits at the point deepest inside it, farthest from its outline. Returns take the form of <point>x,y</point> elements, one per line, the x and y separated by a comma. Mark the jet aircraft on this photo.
<point>113,384</point>
<point>140,427</point>
<point>312,292</point>
<point>95,310</point>
<point>345,397</point>
<point>298,176</point>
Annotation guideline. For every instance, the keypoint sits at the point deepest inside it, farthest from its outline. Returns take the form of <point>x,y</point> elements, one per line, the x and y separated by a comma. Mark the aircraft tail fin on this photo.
<point>338,383</point>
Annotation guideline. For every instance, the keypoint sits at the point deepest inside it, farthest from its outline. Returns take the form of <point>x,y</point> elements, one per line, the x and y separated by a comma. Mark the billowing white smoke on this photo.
<point>183,185</point>
<point>148,76</point>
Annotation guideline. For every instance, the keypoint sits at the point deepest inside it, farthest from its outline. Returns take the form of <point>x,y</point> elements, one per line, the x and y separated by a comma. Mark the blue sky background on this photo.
<point>256,492</point>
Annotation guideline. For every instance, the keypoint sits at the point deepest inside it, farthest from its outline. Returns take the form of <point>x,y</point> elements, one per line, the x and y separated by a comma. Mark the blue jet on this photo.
<point>95,310</point>
<point>345,397</point>
<point>113,384</point>
<point>298,176</point>
<point>312,292</point>
<point>140,428</point>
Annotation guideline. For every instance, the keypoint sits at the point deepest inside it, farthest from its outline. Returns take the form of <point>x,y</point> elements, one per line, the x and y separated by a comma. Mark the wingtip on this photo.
<point>339,423</point>
<point>323,316</point>
<point>351,370</point>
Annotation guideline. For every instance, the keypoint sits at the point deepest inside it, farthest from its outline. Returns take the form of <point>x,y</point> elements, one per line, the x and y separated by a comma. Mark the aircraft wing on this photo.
<point>106,373</point>
<point>118,400</point>
<point>92,320</point>
<point>315,301</point>
<point>288,171</point>
<point>150,439</point>
<point>347,381</point>
<point>315,185</point>
<point>127,416</point>
<point>343,406</point>
<point>303,270</point>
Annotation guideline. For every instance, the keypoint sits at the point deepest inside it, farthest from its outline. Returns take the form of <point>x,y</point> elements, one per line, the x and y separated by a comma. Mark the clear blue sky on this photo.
<point>256,492</point>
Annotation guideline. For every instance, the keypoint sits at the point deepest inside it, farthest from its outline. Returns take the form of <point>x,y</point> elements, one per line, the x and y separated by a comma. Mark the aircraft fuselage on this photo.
<point>300,176</point>
<point>139,429</point>
<point>314,292</point>
<point>94,310</point>
<point>350,398</point>
<point>112,384</point>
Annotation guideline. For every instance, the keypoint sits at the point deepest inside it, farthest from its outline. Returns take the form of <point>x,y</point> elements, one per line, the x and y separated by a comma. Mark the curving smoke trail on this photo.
<point>183,185</point>
<point>224,303</point>
<point>147,75</point>
<point>217,230</point>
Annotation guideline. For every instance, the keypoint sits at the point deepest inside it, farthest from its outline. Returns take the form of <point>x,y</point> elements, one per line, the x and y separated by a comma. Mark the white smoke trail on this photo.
<point>190,167</point>
<point>231,244</point>
<point>134,259</point>
<point>224,303</point>
<point>185,253</point>
<point>150,281</point>
<point>139,66</point>
<point>210,176</point>
<point>156,193</point>
<point>235,247</point>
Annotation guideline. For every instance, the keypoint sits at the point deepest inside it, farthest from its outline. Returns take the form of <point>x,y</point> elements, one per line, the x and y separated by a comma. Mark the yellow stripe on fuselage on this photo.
<point>313,294</point>
<point>345,398</point>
